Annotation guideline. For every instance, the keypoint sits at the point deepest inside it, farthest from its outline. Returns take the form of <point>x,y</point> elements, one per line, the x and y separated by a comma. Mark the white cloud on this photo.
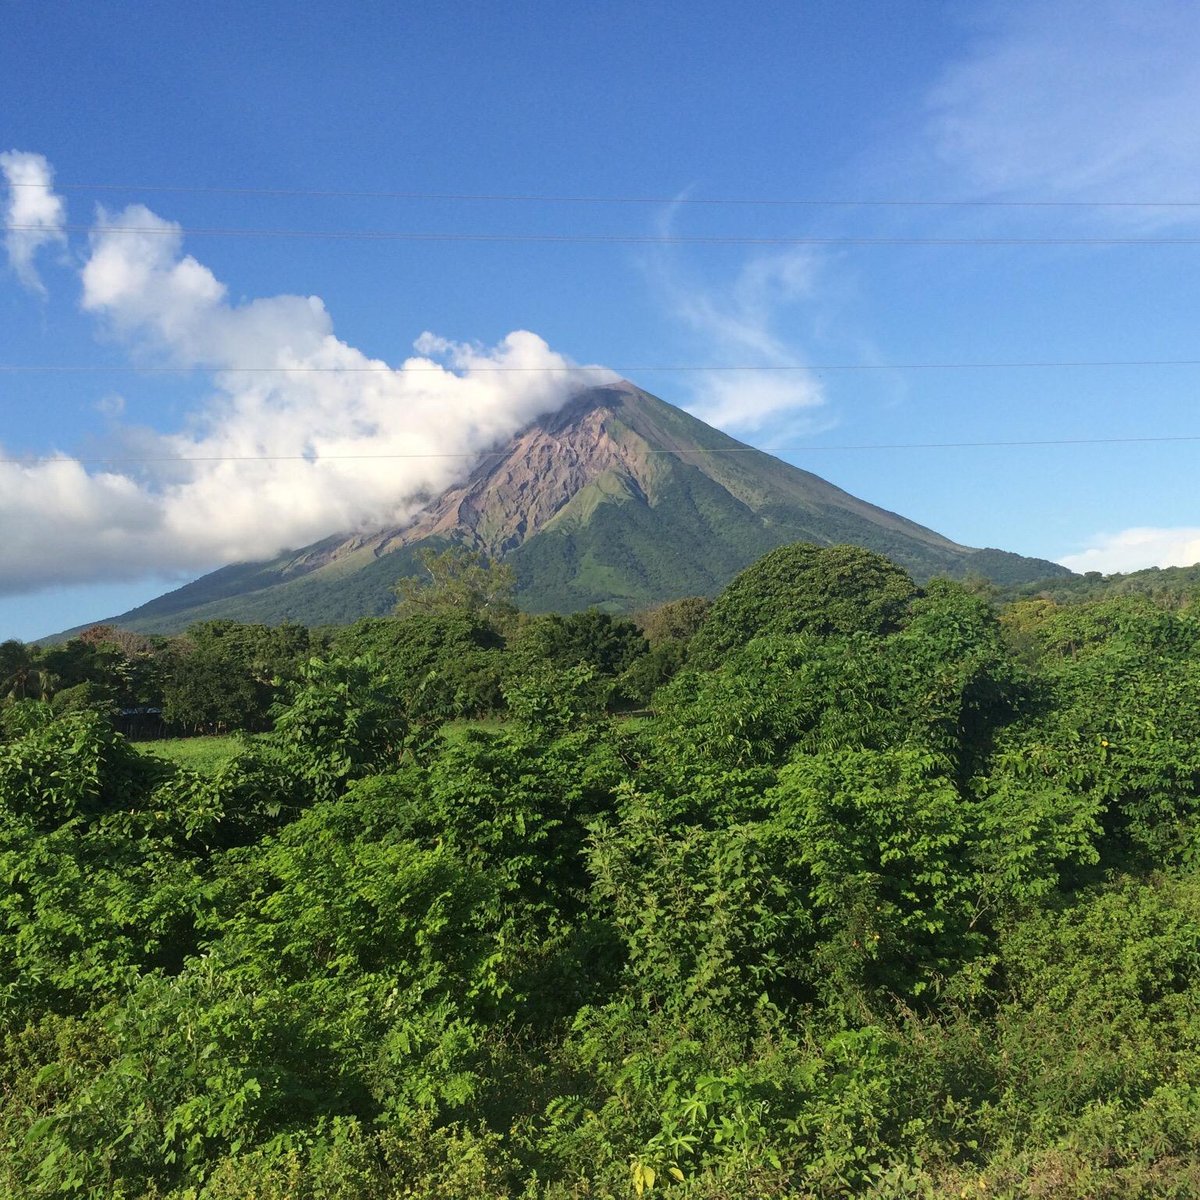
<point>1135,549</point>
<point>740,317</point>
<point>754,399</point>
<point>33,215</point>
<point>738,321</point>
<point>324,439</point>
<point>1085,99</point>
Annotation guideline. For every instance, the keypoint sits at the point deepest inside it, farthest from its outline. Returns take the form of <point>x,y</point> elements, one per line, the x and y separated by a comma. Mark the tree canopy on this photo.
<point>889,893</point>
<point>458,580</point>
<point>805,588</point>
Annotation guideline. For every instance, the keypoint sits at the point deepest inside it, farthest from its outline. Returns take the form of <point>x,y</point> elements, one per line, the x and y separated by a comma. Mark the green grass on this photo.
<point>208,754</point>
<point>197,753</point>
<point>456,731</point>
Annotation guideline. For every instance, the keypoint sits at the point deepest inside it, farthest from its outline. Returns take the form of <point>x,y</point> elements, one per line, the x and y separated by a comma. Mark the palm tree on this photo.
<point>20,676</point>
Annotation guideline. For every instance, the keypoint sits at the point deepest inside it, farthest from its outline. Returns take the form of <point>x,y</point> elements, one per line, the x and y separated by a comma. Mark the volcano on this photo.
<point>617,500</point>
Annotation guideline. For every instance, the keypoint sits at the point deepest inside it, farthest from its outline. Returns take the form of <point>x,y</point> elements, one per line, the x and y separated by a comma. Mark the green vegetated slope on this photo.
<point>269,593</point>
<point>619,500</point>
<point>1171,585</point>
<point>892,894</point>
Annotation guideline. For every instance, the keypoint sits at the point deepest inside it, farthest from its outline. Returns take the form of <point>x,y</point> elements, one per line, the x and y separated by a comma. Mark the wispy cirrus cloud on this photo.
<point>738,321</point>
<point>1085,101</point>
<point>1082,100</point>
<point>34,215</point>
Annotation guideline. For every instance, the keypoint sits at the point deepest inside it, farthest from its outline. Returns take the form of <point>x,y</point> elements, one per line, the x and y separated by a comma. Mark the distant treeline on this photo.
<point>891,892</point>
<point>454,642</point>
<point>1167,585</point>
<point>448,650</point>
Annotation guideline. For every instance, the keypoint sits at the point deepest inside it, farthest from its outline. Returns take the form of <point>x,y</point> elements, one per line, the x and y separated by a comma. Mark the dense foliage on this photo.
<point>893,894</point>
<point>825,590</point>
<point>450,648</point>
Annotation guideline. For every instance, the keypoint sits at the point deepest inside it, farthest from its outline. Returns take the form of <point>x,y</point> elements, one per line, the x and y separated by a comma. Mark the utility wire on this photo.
<point>385,369</point>
<point>630,239</point>
<point>318,458</point>
<point>538,198</point>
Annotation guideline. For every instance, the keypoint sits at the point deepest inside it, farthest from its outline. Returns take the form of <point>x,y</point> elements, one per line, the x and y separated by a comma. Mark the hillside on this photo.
<point>617,500</point>
<point>1166,585</point>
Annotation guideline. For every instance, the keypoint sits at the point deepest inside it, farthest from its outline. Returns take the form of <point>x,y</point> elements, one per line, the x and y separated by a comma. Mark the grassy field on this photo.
<point>198,753</point>
<point>454,731</point>
<point>209,753</point>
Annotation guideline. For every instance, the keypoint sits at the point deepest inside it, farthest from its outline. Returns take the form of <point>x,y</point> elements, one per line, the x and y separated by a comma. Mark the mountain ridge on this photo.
<point>618,500</point>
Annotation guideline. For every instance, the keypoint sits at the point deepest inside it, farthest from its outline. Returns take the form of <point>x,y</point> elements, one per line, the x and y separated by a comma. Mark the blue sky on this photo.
<point>1086,109</point>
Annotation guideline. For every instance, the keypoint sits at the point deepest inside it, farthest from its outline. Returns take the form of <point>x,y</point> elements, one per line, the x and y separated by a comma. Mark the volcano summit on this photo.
<point>617,500</point>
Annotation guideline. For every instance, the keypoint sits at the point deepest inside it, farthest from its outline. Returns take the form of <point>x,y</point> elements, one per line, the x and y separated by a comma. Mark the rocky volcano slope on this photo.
<point>618,500</point>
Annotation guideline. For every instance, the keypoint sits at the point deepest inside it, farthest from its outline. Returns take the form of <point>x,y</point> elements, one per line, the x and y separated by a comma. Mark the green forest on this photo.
<point>831,886</point>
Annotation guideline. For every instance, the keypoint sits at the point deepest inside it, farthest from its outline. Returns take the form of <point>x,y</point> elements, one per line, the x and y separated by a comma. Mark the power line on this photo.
<point>314,459</point>
<point>629,239</point>
<point>542,198</point>
<point>386,369</point>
